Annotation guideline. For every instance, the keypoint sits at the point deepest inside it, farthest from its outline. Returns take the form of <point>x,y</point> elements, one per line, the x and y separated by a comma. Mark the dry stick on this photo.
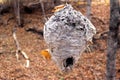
<point>17,11</point>
<point>43,10</point>
<point>31,4</point>
<point>19,50</point>
<point>88,13</point>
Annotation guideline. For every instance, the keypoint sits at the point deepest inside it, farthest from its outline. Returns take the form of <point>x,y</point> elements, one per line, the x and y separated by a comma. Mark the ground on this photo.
<point>91,66</point>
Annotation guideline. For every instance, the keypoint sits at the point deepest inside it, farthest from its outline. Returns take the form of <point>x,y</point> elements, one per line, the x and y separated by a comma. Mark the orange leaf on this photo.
<point>45,53</point>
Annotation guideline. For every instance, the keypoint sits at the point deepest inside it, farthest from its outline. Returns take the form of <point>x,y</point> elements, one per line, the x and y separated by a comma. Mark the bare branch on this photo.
<point>18,50</point>
<point>17,12</point>
<point>43,10</point>
<point>88,13</point>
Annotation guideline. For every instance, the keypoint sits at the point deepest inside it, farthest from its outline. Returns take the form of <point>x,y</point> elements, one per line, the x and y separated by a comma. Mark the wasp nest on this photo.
<point>67,33</point>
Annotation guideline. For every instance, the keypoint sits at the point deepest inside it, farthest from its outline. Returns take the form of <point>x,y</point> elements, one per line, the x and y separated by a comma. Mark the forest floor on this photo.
<point>91,65</point>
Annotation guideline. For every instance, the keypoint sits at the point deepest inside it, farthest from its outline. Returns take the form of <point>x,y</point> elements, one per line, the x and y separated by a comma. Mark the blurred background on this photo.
<point>29,17</point>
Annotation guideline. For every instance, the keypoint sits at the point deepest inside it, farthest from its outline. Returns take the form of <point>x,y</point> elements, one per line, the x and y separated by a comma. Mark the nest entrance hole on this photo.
<point>69,62</point>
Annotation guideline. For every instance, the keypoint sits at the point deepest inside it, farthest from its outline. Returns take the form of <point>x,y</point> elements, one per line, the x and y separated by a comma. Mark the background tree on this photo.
<point>112,39</point>
<point>17,5</point>
<point>88,13</point>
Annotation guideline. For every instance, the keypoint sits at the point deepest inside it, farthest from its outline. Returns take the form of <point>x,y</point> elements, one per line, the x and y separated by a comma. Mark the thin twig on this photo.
<point>17,12</point>
<point>18,50</point>
<point>43,10</point>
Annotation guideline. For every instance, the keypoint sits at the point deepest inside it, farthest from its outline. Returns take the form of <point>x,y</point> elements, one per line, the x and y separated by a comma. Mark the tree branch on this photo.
<point>112,39</point>
<point>18,50</point>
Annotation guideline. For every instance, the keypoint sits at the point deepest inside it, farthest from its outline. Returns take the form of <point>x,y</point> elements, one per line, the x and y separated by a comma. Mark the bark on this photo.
<point>112,39</point>
<point>43,10</point>
<point>88,13</point>
<point>17,12</point>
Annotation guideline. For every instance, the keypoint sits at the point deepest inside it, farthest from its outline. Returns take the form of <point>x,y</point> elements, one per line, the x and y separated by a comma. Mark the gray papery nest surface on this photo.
<point>66,34</point>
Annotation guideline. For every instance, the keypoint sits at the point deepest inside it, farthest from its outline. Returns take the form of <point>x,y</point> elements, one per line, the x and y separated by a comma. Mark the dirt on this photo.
<point>91,66</point>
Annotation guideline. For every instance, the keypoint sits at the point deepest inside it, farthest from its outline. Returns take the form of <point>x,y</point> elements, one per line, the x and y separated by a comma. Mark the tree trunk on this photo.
<point>88,13</point>
<point>112,39</point>
<point>17,12</point>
